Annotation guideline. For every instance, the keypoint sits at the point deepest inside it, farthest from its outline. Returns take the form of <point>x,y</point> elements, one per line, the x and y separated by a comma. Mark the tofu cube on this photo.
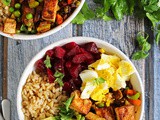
<point>80,105</point>
<point>10,26</point>
<point>125,112</point>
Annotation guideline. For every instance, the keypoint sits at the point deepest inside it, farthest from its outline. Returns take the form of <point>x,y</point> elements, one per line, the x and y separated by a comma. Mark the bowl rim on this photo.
<point>52,31</point>
<point>78,40</point>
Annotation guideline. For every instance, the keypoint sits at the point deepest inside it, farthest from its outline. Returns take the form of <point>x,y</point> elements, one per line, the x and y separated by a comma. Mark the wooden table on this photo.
<point>15,55</point>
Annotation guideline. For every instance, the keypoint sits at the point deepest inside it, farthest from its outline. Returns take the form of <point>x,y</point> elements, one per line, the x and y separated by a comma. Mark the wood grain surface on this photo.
<point>119,33</point>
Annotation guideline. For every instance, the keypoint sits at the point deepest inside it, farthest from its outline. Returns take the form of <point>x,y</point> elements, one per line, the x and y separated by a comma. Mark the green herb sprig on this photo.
<point>144,46</point>
<point>47,62</point>
<point>59,77</point>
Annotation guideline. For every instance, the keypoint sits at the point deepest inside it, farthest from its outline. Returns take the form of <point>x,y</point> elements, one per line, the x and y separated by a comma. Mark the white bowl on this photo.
<point>135,78</point>
<point>53,30</point>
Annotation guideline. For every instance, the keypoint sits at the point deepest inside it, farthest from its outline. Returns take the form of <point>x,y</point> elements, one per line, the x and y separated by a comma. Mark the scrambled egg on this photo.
<point>112,69</point>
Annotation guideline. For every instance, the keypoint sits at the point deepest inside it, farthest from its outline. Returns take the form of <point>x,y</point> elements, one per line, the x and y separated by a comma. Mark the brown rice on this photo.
<point>41,99</point>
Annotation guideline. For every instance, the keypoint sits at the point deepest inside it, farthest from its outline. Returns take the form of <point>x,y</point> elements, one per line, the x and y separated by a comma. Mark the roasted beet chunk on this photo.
<point>91,47</point>
<point>50,76</point>
<point>50,53</point>
<point>67,87</point>
<point>58,65</point>
<point>59,52</point>
<point>76,50</point>
<point>74,71</point>
<point>40,65</point>
<point>80,58</point>
<point>70,45</point>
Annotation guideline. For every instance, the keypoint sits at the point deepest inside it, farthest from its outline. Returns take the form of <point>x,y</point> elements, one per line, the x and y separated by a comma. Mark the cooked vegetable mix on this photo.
<point>97,84</point>
<point>37,16</point>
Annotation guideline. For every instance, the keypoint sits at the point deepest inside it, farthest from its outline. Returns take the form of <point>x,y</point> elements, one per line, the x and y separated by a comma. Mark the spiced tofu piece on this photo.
<point>10,26</point>
<point>80,105</point>
<point>50,10</point>
<point>125,112</point>
<point>92,116</point>
<point>106,113</point>
<point>44,27</point>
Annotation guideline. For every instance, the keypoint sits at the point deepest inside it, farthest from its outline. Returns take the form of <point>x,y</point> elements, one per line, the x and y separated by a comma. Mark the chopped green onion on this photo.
<point>11,9</point>
<point>17,13</point>
<point>134,97</point>
<point>17,5</point>
<point>100,105</point>
<point>29,16</point>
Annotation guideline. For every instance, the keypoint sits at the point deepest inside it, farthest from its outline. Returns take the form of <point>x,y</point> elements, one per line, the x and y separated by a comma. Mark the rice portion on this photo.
<point>41,99</point>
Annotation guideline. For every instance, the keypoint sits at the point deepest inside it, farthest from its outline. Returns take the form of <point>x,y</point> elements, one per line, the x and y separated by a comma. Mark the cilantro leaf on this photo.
<point>139,55</point>
<point>59,78</point>
<point>79,19</point>
<point>158,38</point>
<point>68,102</point>
<point>144,45</point>
<point>47,62</point>
<point>99,80</point>
<point>85,14</point>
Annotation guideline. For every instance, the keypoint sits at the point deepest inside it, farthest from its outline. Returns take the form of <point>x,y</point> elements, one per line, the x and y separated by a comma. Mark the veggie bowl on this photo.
<point>33,19</point>
<point>80,78</point>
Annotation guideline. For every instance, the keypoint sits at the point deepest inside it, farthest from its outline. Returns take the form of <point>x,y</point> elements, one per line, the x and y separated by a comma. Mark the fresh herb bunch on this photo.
<point>117,9</point>
<point>68,114</point>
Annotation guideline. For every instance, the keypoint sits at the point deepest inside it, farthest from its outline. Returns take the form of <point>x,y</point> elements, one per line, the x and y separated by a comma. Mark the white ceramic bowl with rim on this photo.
<point>135,78</point>
<point>53,30</point>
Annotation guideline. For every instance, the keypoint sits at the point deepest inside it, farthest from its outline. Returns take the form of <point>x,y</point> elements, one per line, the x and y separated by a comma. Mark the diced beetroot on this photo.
<point>59,52</point>
<point>40,65</point>
<point>83,50</point>
<point>80,58</point>
<point>70,45</point>
<point>74,71</point>
<point>97,56</point>
<point>67,87</point>
<point>91,47</point>
<point>68,64</point>
<point>50,53</point>
<point>50,76</point>
<point>58,65</point>
<point>73,85</point>
<point>76,50</point>
<point>77,82</point>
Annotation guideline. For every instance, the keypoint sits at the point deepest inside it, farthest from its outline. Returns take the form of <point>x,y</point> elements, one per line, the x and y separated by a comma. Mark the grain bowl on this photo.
<point>70,78</point>
<point>28,20</point>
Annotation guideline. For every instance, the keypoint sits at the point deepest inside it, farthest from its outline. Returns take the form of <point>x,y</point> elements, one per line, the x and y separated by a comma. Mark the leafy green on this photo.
<point>59,77</point>
<point>83,15</point>
<point>68,114</point>
<point>47,62</point>
<point>158,38</point>
<point>99,80</point>
<point>144,46</point>
<point>68,102</point>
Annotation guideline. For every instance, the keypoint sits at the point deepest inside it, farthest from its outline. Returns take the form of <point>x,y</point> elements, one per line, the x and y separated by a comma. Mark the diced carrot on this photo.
<point>130,92</point>
<point>69,2</point>
<point>135,102</point>
<point>59,19</point>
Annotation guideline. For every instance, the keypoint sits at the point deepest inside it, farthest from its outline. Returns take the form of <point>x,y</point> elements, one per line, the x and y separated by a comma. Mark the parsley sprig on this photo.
<point>59,77</point>
<point>99,81</point>
<point>144,47</point>
<point>47,62</point>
